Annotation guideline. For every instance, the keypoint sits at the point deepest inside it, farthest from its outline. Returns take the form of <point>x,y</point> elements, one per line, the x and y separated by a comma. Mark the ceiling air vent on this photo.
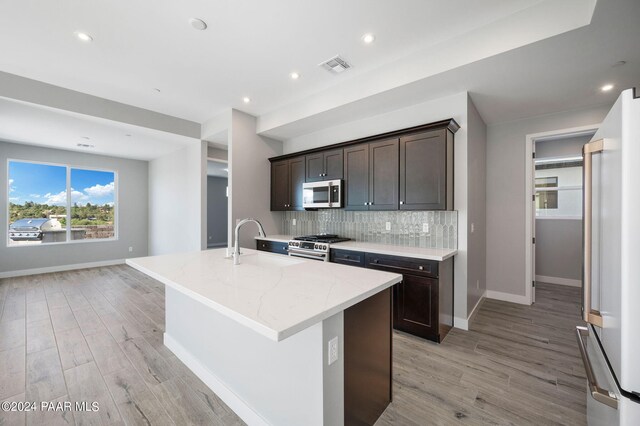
<point>335,65</point>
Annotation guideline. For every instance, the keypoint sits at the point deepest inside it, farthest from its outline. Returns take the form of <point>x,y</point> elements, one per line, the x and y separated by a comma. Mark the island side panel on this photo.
<point>263,381</point>
<point>333,327</point>
<point>367,353</point>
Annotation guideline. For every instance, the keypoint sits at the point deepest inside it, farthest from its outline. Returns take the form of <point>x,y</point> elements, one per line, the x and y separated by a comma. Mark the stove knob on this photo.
<point>315,247</point>
<point>324,247</point>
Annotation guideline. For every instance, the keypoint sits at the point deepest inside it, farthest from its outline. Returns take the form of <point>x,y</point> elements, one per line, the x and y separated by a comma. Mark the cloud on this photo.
<point>99,191</point>
<point>34,195</point>
<point>60,199</point>
<point>11,188</point>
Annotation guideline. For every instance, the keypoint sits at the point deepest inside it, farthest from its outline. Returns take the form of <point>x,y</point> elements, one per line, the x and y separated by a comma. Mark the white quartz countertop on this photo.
<point>415,252</point>
<point>272,294</point>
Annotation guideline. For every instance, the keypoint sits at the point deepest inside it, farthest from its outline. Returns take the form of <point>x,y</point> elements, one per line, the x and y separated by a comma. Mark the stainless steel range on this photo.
<point>314,246</point>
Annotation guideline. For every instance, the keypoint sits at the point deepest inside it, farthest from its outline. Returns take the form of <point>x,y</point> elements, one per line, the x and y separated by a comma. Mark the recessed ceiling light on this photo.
<point>606,87</point>
<point>246,99</point>
<point>368,38</point>
<point>198,24</point>
<point>157,90</point>
<point>84,36</point>
<point>294,75</point>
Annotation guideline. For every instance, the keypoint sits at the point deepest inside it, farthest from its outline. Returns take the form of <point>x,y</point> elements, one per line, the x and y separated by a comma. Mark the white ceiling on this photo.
<point>249,49</point>
<point>517,58</point>
<point>36,125</point>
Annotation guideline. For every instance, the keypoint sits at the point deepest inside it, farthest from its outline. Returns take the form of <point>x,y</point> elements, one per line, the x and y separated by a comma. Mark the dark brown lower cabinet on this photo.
<point>367,359</point>
<point>423,301</point>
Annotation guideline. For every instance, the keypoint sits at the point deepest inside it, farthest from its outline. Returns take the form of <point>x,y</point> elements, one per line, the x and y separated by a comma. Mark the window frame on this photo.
<point>116,208</point>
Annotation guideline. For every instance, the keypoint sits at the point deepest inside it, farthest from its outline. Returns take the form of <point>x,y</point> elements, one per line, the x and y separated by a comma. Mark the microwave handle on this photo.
<point>589,315</point>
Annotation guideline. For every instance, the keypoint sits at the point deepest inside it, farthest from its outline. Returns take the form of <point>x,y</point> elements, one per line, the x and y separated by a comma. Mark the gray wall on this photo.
<point>132,212</point>
<point>561,147</point>
<point>506,193</point>
<point>249,182</point>
<point>177,201</point>
<point>217,211</point>
<point>477,206</point>
<point>559,248</point>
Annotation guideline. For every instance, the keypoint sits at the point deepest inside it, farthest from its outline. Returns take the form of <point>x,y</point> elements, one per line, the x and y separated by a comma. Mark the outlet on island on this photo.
<point>333,350</point>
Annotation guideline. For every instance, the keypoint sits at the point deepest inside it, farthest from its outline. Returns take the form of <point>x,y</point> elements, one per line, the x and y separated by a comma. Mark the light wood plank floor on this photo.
<point>96,335</point>
<point>517,365</point>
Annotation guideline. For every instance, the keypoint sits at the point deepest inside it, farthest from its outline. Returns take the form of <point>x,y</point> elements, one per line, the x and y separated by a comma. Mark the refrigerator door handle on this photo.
<point>589,315</point>
<point>599,394</point>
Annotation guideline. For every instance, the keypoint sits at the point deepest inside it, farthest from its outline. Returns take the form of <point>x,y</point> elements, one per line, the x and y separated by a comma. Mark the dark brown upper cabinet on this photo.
<point>371,176</point>
<point>287,177</point>
<point>409,169</point>
<point>326,165</point>
<point>356,177</point>
<point>426,171</point>
<point>383,175</point>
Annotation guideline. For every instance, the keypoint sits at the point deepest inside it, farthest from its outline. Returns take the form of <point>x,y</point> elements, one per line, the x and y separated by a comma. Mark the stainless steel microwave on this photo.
<point>322,195</point>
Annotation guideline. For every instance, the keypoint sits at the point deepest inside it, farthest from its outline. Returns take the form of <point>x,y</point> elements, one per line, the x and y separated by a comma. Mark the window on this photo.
<point>559,188</point>
<point>51,203</point>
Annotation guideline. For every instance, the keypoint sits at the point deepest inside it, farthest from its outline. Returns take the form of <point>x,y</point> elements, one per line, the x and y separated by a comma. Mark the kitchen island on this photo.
<point>261,334</point>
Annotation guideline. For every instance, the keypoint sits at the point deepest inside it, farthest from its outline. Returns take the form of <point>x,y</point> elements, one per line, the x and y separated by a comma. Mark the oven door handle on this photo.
<point>320,256</point>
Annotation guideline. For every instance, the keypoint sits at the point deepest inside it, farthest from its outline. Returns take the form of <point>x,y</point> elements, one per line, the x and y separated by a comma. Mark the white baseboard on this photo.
<point>560,281</point>
<point>508,297</point>
<point>48,269</point>
<point>234,402</point>
<point>463,323</point>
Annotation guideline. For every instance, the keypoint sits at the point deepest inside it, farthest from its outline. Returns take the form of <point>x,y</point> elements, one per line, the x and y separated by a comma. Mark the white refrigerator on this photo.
<point>610,343</point>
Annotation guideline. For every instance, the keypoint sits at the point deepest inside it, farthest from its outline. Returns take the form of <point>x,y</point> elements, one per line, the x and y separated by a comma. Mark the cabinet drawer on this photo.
<point>402,265</point>
<point>347,257</point>
<point>272,246</point>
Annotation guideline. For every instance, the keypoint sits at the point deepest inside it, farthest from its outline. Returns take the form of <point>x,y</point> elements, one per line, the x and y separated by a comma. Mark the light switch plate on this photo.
<point>425,227</point>
<point>473,227</point>
<point>293,222</point>
<point>333,350</point>
<point>387,226</point>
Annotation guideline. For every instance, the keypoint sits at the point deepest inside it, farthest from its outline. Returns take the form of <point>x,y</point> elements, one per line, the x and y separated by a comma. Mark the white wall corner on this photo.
<point>216,125</point>
<point>464,323</point>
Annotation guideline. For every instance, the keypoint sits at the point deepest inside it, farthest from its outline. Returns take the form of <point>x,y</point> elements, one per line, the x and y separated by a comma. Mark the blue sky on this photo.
<point>46,184</point>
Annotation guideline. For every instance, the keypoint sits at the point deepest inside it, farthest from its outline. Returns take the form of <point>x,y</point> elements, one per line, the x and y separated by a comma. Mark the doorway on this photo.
<point>217,203</point>
<point>554,208</point>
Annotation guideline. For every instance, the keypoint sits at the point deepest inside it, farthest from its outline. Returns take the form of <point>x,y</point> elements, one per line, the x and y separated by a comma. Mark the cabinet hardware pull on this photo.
<point>401,202</point>
<point>421,267</point>
<point>589,315</point>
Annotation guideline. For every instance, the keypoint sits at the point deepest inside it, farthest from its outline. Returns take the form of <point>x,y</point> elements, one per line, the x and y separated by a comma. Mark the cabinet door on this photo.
<point>296,176</point>
<point>315,167</point>
<point>416,306</point>
<point>333,164</point>
<point>356,177</point>
<point>423,171</point>
<point>280,185</point>
<point>383,175</point>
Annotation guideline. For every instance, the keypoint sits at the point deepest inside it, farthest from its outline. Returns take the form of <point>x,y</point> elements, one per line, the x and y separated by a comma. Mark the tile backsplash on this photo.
<point>406,227</point>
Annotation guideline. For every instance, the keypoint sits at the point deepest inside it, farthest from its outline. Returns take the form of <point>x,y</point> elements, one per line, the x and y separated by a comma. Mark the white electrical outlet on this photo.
<point>293,222</point>
<point>473,227</point>
<point>387,226</point>
<point>425,227</point>
<point>130,249</point>
<point>333,350</point>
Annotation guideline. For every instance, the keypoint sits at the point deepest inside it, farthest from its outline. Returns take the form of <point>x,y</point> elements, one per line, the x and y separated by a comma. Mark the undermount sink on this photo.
<point>268,260</point>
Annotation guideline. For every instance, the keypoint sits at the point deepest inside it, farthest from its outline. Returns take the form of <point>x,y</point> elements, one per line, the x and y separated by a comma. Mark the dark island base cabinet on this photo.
<point>423,301</point>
